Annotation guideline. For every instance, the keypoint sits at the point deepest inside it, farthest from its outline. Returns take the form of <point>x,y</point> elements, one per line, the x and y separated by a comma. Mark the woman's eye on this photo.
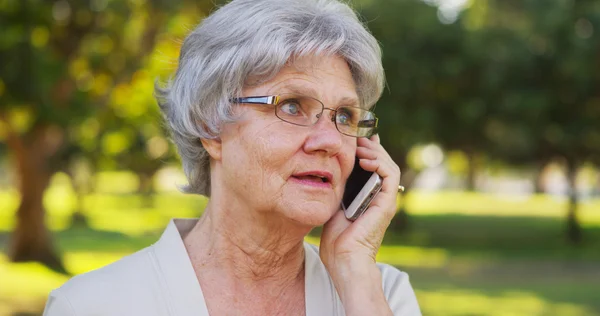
<point>290,108</point>
<point>344,118</point>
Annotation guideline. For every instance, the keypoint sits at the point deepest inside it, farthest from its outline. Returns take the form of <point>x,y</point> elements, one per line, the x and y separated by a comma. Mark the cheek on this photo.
<point>347,157</point>
<point>274,150</point>
<point>263,149</point>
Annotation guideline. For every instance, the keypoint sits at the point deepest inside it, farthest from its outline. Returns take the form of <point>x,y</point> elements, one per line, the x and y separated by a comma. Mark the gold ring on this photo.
<point>400,188</point>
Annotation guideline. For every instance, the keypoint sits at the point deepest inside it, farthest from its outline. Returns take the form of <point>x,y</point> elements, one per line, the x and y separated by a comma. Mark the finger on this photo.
<point>369,164</point>
<point>378,154</point>
<point>375,153</point>
<point>389,173</point>
<point>366,153</point>
<point>370,143</point>
<point>376,220</point>
<point>376,139</point>
<point>383,207</point>
<point>366,142</point>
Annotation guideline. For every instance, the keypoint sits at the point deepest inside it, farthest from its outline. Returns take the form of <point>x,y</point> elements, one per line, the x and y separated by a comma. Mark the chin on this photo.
<point>311,214</point>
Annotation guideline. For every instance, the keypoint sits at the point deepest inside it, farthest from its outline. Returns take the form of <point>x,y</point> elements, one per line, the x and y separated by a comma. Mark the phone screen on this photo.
<point>356,181</point>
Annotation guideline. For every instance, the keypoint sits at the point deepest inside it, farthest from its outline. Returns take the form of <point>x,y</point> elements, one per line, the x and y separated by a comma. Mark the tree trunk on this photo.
<point>538,179</point>
<point>471,171</point>
<point>31,240</point>
<point>78,218</point>
<point>597,189</point>
<point>574,233</point>
<point>401,221</point>
<point>146,189</point>
<point>80,171</point>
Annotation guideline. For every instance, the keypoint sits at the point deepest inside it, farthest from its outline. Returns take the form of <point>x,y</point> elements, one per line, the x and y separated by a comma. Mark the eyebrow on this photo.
<point>344,101</point>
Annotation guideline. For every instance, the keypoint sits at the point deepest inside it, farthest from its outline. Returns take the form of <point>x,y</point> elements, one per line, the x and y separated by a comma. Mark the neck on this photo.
<point>249,248</point>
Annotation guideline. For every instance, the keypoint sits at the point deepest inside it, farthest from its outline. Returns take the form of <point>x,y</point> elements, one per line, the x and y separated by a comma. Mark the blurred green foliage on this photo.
<point>77,82</point>
<point>495,83</point>
<point>512,81</point>
<point>467,254</point>
<point>515,80</point>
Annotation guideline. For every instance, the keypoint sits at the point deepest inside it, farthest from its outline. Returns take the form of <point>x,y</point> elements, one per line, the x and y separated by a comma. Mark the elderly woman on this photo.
<point>263,110</point>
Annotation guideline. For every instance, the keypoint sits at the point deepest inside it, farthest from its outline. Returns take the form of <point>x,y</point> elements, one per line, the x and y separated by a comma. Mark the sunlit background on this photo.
<point>492,110</point>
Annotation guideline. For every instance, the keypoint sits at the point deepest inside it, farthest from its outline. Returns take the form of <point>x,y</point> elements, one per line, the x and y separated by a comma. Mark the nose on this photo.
<point>324,136</point>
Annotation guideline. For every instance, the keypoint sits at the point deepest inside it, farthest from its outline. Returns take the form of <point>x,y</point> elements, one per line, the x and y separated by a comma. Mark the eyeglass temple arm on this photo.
<point>368,123</point>
<point>257,100</point>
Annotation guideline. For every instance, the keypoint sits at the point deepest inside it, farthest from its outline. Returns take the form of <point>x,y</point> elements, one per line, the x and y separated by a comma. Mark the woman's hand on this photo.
<point>343,240</point>
<point>348,249</point>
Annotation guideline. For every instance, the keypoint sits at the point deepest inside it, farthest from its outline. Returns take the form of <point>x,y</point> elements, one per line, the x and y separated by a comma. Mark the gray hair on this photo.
<point>254,39</point>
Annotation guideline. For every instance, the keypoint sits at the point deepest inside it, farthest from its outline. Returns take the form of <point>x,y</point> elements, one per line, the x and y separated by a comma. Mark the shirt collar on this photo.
<point>179,275</point>
<point>184,289</point>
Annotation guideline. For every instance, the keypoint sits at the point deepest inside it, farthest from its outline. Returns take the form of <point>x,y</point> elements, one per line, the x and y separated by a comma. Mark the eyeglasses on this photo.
<point>306,111</point>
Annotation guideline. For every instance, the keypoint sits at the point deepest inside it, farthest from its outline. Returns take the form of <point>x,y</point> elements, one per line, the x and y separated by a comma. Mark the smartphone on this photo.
<point>361,188</point>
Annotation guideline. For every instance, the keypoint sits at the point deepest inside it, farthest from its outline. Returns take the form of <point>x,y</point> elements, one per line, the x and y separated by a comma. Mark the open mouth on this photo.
<point>317,177</point>
<point>313,178</point>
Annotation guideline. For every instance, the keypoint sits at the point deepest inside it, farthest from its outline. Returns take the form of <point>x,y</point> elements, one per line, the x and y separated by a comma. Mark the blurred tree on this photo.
<point>512,80</point>
<point>550,107</point>
<point>65,63</point>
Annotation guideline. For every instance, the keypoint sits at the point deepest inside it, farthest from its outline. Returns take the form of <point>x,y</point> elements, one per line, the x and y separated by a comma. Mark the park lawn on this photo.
<point>494,261</point>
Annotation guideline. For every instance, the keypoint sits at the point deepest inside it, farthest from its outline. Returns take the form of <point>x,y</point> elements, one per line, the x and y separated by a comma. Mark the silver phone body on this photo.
<point>363,198</point>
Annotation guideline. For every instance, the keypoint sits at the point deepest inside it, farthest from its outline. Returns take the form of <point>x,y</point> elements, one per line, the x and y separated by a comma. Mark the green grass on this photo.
<point>507,237</point>
<point>467,254</point>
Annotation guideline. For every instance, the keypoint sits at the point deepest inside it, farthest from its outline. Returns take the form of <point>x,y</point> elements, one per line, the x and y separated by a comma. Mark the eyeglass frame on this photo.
<point>274,100</point>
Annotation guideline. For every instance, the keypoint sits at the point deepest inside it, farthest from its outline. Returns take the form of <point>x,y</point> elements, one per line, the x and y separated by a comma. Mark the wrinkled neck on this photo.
<point>248,247</point>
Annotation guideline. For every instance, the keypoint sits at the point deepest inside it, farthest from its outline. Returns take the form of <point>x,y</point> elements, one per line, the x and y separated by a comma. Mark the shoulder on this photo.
<point>110,290</point>
<point>117,275</point>
<point>398,291</point>
<point>391,275</point>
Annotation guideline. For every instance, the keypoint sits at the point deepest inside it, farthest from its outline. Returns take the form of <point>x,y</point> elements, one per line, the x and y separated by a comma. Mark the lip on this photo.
<point>318,173</point>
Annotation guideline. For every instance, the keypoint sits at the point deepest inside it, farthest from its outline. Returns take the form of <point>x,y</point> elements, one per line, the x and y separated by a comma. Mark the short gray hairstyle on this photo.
<point>247,40</point>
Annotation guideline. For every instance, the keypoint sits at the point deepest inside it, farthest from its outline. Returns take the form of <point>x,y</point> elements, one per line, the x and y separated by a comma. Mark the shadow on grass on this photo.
<point>507,255</point>
<point>80,239</point>
<point>503,255</point>
<point>563,289</point>
<point>499,256</point>
<point>509,237</point>
<point>494,237</point>
<point>87,239</point>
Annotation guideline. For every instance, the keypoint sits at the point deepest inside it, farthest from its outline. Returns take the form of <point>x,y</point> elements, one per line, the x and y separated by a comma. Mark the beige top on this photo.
<point>160,280</point>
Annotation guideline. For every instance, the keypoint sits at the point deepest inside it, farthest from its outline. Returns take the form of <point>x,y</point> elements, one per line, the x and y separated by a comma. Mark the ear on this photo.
<point>213,147</point>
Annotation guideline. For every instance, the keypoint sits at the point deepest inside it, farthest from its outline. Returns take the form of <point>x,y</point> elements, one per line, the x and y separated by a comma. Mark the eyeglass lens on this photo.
<point>306,111</point>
